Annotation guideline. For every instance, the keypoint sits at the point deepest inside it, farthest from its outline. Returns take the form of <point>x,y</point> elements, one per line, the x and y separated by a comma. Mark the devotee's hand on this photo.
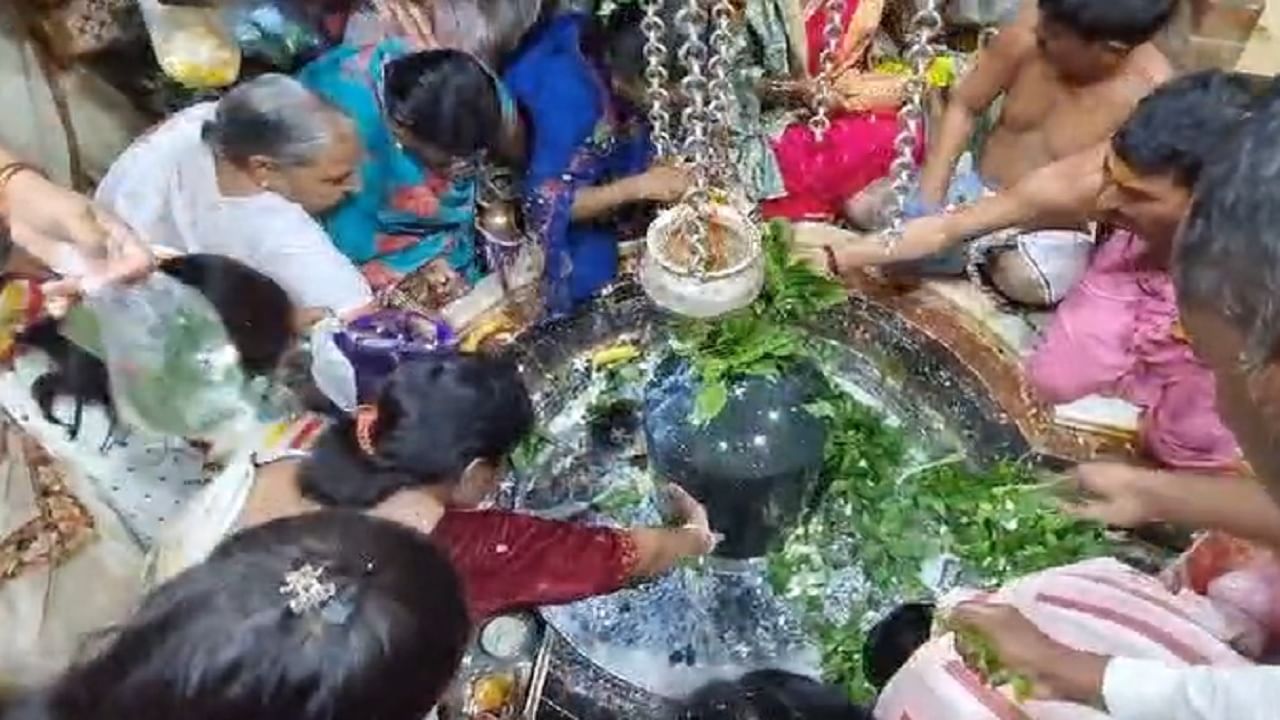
<point>662,183</point>
<point>1114,494</point>
<point>1055,670</point>
<point>691,514</point>
<point>68,233</point>
<point>833,251</point>
<point>820,246</point>
<point>801,92</point>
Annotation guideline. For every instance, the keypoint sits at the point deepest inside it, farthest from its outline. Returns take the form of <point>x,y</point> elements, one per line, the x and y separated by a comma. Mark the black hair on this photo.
<point>445,98</point>
<point>1180,126</point>
<point>1129,22</point>
<point>1227,257</point>
<point>254,309</point>
<point>220,642</point>
<point>770,695</point>
<point>435,416</point>
<point>893,640</point>
<point>619,41</point>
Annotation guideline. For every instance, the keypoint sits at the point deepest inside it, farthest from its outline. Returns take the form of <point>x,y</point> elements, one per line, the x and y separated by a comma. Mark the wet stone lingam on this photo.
<point>753,465</point>
<point>611,436</point>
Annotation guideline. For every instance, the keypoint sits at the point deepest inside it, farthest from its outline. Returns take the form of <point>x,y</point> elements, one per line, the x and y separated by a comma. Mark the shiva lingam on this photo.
<point>754,465</point>
<point>629,654</point>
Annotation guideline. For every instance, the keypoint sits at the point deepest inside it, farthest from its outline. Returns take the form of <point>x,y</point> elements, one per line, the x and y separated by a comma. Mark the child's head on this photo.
<point>620,45</point>
<point>1087,40</point>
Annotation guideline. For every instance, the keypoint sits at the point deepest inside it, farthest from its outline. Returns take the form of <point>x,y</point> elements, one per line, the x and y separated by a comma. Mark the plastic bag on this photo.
<point>1253,590</point>
<point>1237,576</point>
<point>194,46</point>
<point>269,30</point>
<point>377,343</point>
<point>172,366</point>
<point>331,370</point>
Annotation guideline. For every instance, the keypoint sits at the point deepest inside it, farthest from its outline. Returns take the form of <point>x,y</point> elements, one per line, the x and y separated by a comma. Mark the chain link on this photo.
<point>719,67</point>
<point>693,55</point>
<point>655,56</point>
<point>832,33</point>
<point>920,54</point>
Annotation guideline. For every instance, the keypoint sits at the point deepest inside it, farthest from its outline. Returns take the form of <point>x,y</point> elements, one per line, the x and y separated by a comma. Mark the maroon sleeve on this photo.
<point>509,560</point>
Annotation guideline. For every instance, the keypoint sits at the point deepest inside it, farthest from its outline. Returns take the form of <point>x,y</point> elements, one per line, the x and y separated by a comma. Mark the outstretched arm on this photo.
<point>1127,496</point>
<point>660,183</point>
<point>1060,194</point>
<point>65,230</point>
<point>993,71</point>
<point>1127,689</point>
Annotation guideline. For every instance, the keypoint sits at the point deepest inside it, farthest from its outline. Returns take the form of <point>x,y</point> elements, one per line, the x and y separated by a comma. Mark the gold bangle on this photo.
<point>7,174</point>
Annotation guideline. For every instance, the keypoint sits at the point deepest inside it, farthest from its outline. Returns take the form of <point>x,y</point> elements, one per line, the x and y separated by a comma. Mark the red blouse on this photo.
<point>509,560</point>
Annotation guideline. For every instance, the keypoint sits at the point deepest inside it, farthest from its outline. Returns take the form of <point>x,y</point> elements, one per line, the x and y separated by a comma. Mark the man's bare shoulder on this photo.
<point>1014,39</point>
<point>1148,66</point>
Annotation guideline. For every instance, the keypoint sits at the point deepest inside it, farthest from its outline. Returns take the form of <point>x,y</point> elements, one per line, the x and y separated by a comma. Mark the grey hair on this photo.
<point>1227,257</point>
<point>271,116</point>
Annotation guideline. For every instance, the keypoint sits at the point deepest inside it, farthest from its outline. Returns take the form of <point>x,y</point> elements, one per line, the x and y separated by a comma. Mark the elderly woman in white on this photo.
<point>243,177</point>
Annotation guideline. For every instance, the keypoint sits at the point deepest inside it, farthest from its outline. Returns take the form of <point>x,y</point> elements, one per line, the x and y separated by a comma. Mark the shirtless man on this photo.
<point>1068,73</point>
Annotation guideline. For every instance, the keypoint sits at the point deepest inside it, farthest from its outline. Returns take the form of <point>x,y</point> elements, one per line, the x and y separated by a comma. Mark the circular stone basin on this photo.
<point>627,655</point>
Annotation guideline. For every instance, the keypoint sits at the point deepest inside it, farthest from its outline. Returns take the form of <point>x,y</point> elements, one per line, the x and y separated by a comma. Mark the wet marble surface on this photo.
<point>929,370</point>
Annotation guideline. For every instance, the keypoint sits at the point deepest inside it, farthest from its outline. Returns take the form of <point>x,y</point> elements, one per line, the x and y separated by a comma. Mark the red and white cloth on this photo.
<point>1102,606</point>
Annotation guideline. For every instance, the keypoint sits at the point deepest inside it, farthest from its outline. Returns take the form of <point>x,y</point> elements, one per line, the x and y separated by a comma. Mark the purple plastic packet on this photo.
<point>376,344</point>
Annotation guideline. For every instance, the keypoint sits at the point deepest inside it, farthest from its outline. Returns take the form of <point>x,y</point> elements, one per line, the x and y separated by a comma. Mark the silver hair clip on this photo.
<point>307,589</point>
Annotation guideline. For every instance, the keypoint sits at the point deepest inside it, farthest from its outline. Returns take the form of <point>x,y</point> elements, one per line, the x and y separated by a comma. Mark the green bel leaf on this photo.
<point>710,400</point>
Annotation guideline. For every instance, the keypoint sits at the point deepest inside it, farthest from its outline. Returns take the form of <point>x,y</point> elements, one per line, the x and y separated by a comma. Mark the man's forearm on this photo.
<point>935,177</point>
<point>989,214</point>
<point>925,236</point>
<point>1236,505</point>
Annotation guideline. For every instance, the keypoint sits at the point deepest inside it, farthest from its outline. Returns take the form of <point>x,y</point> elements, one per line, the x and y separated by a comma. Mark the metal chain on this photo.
<point>832,33</point>
<point>719,68</point>
<point>920,54</point>
<point>692,20</point>
<point>655,56</point>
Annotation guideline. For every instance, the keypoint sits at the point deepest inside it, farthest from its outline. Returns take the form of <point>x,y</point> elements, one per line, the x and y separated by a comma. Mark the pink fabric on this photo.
<point>1114,335</point>
<point>821,174</point>
<point>1100,606</point>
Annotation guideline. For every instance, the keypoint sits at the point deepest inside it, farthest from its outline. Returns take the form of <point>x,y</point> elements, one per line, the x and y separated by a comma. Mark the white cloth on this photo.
<point>47,612</point>
<point>145,480</point>
<point>165,186</point>
<point>1152,690</point>
<point>215,512</point>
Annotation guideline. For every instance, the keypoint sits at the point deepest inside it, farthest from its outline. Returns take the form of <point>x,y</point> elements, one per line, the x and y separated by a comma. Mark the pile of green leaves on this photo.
<point>999,522</point>
<point>980,655</point>
<point>763,338</point>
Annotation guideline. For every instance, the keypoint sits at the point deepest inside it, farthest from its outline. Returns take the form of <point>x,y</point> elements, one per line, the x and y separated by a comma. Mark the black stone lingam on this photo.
<point>754,465</point>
